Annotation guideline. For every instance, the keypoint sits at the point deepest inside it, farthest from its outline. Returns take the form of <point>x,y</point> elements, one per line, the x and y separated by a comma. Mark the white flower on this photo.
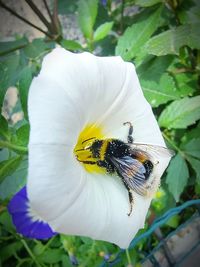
<point>77,97</point>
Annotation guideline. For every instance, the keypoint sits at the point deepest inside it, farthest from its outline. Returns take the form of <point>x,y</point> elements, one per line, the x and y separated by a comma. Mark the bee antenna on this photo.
<point>88,139</point>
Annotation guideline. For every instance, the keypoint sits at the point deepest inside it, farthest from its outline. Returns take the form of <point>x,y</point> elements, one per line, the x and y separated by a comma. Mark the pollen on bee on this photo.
<point>82,152</point>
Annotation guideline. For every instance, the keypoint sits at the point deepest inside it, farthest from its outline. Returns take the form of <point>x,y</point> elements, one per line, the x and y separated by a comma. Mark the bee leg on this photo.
<point>130,132</point>
<point>130,195</point>
<point>131,200</point>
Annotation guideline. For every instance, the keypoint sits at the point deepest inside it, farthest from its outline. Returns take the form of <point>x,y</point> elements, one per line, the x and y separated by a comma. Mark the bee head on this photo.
<point>87,144</point>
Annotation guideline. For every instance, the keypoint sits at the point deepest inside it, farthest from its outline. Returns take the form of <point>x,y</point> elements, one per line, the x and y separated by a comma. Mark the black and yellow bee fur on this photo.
<point>115,156</point>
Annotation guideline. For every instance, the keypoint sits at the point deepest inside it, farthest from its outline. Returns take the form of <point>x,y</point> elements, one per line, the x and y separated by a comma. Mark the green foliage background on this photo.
<point>162,38</point>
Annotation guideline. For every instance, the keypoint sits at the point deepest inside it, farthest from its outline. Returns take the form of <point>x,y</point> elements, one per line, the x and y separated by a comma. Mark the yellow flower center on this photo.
<point>82,150</point>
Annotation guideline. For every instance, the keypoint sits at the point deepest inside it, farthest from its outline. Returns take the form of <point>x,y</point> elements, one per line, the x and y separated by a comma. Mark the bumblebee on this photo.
<point>133,163</point>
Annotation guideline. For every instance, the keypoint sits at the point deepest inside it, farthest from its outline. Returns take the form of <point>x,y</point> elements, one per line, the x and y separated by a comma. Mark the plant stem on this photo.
<point>128,257</point>
<point>23,19</point>
<point>39,14</point>
<point>55,20</point>
<point>5,144</point>
<point>12,50</point>
<point>171,142</point>
<point>30,252</point>
<point>122,17</point>
<point>47,244</point>
<point>48,10</point>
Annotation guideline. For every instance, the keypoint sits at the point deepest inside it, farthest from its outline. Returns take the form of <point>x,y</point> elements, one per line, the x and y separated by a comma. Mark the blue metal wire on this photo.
<point>183,225</point>
<point>157,223</point>
<point>163,219</point>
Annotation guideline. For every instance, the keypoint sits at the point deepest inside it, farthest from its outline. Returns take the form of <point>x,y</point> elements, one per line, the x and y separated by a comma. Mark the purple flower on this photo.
<point>107,256</point>
<point>26,221</point>
<point>104,2</point>
<point>73,259</point>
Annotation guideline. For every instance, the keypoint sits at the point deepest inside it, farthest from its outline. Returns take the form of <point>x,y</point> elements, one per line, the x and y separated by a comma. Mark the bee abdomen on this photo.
<point>148,167</point>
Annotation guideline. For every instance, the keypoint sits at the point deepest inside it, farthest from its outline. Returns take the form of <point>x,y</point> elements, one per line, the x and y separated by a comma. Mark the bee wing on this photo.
<point>152,152</point>
<point>132,172</point>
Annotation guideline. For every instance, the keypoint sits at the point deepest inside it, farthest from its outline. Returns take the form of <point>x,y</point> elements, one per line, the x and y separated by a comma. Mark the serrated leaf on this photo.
<point>192,148</point>
<point>186,83</point>
<point>161,92</point>
<point>195,163</point>
<point>154,67</point>
<point>7,47</point>
<point>181,113</point>
<point>130,43</point>
<point>102,31</point>
<point>177,176</point>
<point>87,12</point>
<point>71,45</point>
<point>147,3</point>
<point>24,84</point>
<point>158,86</point>
<point>169,42</point>
<point>7,167</point>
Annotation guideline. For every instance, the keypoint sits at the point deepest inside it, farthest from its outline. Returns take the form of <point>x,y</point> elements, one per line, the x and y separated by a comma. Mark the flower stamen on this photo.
<point>82,150</point>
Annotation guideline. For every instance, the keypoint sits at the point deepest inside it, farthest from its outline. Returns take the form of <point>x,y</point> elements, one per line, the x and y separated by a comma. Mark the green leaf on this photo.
<point>23,135</point>
<point>7,47</point>
<point>154,67</point>
<point>161,92</point>
<point>66,261</point>
<point>102,31</point>
<point>169,42</point>
<point>158,86</point>
<point>177,176</point>
<point>195,163</point>
<point>7,167</point>
<point>147,3</point>
<point>186,84</point>
<point>38,248</point>
<point>181,113</point>
<point>24,84</point>
<point>36,48</point>
<point>13,183</point>
<point>6,221</point>
<point>192,148</point>
<point>51,256</point>
<point>87,12</point>
<point>130,43</point>
<point>8,74</point>
<point>189,12</point>
<point>173,221</point>
<point>3,128</point>
<point>71,45</point>
<point>67,6</point>
<point>7,251</point>
<point>192,134</point>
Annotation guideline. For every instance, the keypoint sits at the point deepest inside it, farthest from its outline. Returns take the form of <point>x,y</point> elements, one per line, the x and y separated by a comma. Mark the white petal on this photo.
<point>73,203</point>
<point>70,92</point>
